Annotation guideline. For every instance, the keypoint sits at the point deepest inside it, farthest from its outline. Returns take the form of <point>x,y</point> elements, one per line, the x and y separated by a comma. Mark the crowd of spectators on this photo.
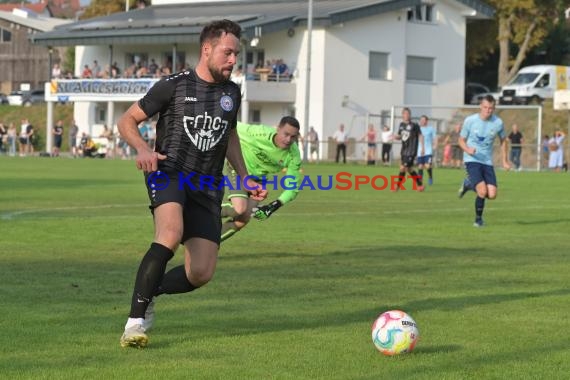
<point>271,70</point>
<point>140,69</point>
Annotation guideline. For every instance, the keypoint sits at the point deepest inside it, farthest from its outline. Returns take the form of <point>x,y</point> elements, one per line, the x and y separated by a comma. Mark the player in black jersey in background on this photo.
<point>410,134</point>
<point>196,131</point>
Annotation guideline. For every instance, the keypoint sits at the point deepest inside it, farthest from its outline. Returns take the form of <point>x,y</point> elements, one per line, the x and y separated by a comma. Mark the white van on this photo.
<point>532,84</point>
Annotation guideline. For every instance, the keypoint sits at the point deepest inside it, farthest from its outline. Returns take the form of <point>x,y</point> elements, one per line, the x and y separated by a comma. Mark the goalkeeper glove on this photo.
<point>264,212</point>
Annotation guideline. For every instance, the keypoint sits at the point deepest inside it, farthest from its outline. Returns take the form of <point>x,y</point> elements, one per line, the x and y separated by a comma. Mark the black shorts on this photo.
<point>201,214</point>
<point>408,161</point>
<point>57,140</point>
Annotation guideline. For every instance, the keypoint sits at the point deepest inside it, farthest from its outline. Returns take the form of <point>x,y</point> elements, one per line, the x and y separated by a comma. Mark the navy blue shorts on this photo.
<point>477,172</point>
<point>423,160</point>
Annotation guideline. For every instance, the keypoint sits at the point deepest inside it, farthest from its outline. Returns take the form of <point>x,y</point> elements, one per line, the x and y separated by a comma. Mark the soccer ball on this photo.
<point>394,332</point>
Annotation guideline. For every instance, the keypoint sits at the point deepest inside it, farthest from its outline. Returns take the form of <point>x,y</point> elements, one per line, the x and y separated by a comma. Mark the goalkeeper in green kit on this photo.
<point>266,152</point>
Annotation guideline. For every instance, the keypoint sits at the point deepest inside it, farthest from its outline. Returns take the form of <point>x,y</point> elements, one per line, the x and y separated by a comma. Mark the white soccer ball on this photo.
<point>395,332</point>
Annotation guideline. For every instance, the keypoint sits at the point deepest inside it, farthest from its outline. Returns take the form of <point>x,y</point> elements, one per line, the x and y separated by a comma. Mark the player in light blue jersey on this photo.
<point>430,143</point>
<point>476,139</point>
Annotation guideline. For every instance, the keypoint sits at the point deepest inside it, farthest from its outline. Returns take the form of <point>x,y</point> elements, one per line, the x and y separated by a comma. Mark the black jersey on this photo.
<point>515,138</point>
<point>410,134</point>
<point>195,118</point>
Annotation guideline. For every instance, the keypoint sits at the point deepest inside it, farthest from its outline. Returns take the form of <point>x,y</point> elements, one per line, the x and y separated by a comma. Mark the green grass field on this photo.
<point>293,297</point>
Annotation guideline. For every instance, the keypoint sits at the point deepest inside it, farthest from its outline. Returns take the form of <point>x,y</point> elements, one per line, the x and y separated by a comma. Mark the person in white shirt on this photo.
<point>341,138</point>
<point>386,138</point>
<point>556,157</point>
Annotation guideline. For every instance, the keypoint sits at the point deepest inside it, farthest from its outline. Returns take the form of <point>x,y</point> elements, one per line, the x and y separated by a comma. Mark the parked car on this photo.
<point>533,84</point>
<point>15,98</point>
<point>3,98</point>
<point>472,89</point>
<point>476,99</point>
<point>26,98</point>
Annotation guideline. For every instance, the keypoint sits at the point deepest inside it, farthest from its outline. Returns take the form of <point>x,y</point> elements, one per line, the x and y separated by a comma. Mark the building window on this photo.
<point>420,69</point>
<point>5,35</point>
<point>255,116</point>
<point>101,115</point>
<point>422,13</point>
<point>378,65</point>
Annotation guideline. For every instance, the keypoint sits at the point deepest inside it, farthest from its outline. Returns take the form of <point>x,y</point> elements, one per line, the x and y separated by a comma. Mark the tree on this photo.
<point>518,26</point>
<point>105,7</point>
<point>69,60</point>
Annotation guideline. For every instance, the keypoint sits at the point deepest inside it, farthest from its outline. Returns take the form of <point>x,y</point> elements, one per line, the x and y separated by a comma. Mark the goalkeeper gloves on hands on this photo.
<point>264,212</point>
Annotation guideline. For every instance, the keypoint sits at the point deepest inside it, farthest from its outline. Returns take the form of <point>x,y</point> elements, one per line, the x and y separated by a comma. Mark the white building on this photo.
<point>366,55</point>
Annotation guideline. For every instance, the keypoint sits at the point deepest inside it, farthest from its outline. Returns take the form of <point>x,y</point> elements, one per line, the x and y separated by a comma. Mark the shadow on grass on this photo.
<point>441,349</point>
<point>541,222</point>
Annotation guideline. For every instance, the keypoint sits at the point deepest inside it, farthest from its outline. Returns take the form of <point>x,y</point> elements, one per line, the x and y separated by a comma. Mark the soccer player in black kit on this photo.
<point>411,135</point>
<point>196,131</point>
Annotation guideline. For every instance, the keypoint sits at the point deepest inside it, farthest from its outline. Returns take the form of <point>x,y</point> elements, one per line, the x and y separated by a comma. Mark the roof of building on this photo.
<point>29,19</point>
<point>38,8</point>
<point>182,23</point>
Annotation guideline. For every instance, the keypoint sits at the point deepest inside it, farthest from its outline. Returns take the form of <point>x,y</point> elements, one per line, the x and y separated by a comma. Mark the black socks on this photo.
<point>479,206</point>
<point>149,277</point>
<point>175,281</point>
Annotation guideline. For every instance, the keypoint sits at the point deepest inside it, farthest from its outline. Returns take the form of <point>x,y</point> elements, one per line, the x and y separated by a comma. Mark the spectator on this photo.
<point>87,73</point>
<point>115,71</point>
<point>87,146</point>
<point>73,131</point>
<point>556,158</point>
<point>31,138</point>
<point>105,73</point>
<point>516,139</point>
<point>386,138</point>
<point>456,151</point>
<point>12,137</point>
<point>153,67</point>
<point>57,138</point>
<point>313,140</point>
<point>545,150</point>
<point>341,138</point>
<point>3,138</point>
<point>56,71</point>
<point>370,138</point>
<point>108,134</point>
<point>282,69</point>
<point>95,69</point>
<point>26,138</point>
<point>142,72</point>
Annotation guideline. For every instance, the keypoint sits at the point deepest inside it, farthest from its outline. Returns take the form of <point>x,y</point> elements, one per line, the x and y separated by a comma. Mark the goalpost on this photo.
<point>443,118</point>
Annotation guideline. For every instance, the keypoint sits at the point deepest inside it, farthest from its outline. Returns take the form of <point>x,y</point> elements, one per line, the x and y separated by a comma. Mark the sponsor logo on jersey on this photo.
<point>227,103</point>
<point>205,131</point>
<point>188,99</point>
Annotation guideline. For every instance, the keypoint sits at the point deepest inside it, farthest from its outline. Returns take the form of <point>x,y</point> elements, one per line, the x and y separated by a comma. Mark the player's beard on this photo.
<point>218,74</point>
